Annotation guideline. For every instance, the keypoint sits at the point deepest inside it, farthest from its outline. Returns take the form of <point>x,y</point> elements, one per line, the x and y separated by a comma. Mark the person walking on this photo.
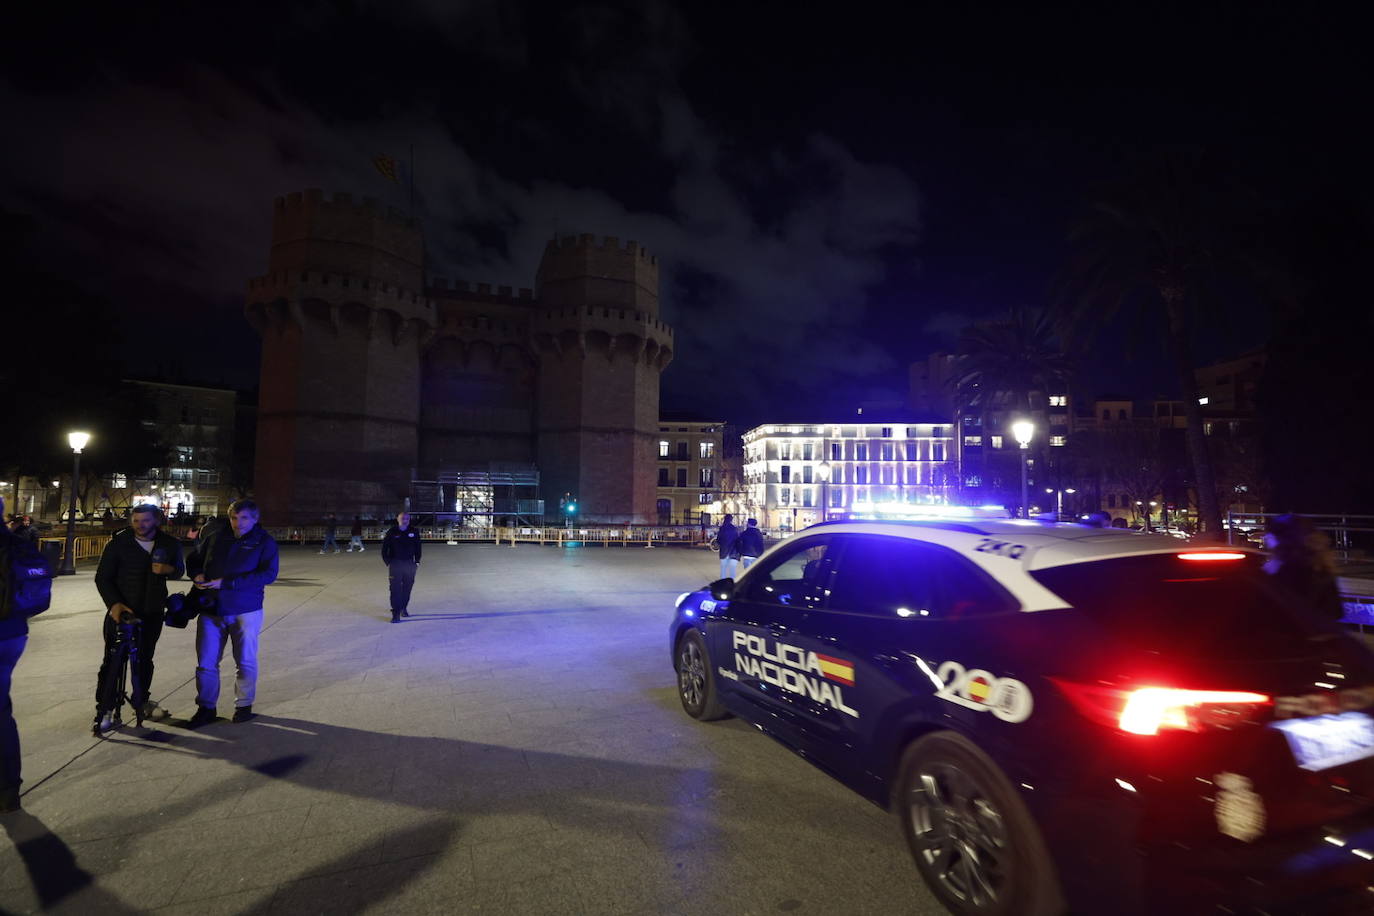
<point>356,535</point>
<point>727,543</point>
<point>16,607</point>
<point>331,531</point>
<point>237,563</point>
<point>132,581</point>
<point>1300,562</point>
<point>750,544</point>
<point>401,554</point>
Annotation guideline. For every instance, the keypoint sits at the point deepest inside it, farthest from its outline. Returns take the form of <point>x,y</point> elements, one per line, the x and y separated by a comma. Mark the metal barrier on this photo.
<point>84,547</point>
<point>1339,526</point>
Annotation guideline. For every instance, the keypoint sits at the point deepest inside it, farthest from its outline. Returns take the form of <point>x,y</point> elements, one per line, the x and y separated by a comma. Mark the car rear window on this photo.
<point>1217,608</point>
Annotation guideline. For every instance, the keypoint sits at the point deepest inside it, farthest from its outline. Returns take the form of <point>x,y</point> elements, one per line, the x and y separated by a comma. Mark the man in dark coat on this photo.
<point>132,581</point>
<point>14,636</point>
<point>726,540</point>
<point>750,543</point>
<point>401,554</point>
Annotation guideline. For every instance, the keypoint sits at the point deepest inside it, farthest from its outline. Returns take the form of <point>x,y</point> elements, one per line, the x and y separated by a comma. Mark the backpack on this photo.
<point>28,578</point>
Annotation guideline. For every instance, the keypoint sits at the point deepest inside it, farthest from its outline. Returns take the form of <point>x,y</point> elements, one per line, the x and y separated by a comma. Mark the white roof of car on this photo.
<point>1009,549</point>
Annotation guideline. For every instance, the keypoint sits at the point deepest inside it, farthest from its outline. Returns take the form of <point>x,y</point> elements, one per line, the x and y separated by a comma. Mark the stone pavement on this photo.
<point>516,746</point>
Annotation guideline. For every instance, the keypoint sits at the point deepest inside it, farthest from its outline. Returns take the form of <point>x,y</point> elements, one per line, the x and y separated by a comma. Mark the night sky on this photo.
<point>833,190</point>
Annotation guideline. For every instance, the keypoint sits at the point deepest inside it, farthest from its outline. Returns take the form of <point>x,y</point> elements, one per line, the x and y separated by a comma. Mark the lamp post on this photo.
<point>1059,500</point>
<point>1024,431</point>
<point>823,471</point>
<point>77,441</point>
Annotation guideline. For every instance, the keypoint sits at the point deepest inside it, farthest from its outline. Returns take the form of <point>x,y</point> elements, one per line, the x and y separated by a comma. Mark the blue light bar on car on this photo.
<point>896,510</point>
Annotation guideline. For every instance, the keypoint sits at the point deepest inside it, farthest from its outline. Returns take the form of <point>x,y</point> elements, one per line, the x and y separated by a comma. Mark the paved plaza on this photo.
<point>516,746</point>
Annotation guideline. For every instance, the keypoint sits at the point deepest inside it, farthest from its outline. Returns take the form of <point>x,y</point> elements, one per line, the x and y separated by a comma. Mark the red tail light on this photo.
<point>1149,710</point>
<point>1205,555</point>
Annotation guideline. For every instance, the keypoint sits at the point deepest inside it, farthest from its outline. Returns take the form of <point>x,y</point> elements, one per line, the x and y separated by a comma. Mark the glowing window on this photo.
<point>1057,440</point>
<point>663,448</point>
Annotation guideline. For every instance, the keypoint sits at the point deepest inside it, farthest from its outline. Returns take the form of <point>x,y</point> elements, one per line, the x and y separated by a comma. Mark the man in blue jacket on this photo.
<point>238,562</point>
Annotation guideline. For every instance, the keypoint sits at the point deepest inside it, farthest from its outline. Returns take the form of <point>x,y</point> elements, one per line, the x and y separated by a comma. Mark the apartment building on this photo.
<point>690,458</point>
<point>799,474</point>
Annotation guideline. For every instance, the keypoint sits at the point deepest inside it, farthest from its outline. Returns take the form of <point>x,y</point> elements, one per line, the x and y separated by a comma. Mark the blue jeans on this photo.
<point>329,542</point>
<point>401,573</point>
<point>242,631</point>
<point>10,650</point>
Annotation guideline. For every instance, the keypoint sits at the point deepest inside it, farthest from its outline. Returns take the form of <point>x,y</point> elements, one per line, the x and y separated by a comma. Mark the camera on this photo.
<point>183,607</point>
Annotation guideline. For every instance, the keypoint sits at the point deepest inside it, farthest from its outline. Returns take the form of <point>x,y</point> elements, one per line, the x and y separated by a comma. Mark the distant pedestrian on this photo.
<point>356,535</point>
<point>1300,562</point>
<point>331,531</point>
<point>132,580</point>
<point>750,544</point>
<point>728,548</point>
<point>14,635</point>
<point>237,563</point>
<point>401,554</point>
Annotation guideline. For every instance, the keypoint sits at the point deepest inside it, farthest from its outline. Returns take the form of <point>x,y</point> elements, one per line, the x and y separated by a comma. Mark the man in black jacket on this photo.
<point>729,550</point>
<point>401,554</point>
<point>132,581</point>
<point>750,544</point>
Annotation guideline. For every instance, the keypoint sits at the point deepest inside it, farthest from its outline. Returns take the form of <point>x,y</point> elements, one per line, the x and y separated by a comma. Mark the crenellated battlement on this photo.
<point>442,288</point>
<point>315,199</point>
<point>614,320</point>
<point>370,289</point>
<point>588,240</point>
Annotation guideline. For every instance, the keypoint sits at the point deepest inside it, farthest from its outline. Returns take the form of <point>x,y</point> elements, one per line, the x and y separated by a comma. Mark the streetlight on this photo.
<point>1059,500</point>
<point>823,472</point>
<point>77,441</point>
<point>1024,431</point>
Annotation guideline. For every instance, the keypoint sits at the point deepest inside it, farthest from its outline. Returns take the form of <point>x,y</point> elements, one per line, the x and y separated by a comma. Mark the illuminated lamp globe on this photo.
<point>78,440</point>
<point>1024,431</point>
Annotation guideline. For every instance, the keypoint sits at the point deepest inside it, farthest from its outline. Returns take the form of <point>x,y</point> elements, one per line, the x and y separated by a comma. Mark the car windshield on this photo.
<point>1218,608</point>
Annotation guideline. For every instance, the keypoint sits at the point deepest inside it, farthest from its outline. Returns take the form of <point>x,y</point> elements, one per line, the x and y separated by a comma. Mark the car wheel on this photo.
<point>973,840</point>
<point>696,682</point>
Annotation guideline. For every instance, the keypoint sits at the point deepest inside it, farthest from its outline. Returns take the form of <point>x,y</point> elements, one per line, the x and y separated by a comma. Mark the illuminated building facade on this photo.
<point>799,474</point>
<point>689,470</point>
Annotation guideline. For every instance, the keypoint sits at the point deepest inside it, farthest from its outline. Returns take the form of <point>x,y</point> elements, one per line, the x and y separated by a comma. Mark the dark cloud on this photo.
<point>166,183</point>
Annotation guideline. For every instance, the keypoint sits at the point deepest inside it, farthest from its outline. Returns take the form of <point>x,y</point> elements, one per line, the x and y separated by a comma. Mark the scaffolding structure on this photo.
<point>477,497</point>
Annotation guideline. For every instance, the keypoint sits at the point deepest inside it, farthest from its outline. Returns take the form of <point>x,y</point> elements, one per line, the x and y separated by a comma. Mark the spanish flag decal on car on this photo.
<point>836,669</point>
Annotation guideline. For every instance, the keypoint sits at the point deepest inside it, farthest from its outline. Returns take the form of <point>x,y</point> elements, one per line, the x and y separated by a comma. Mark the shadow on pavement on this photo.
<point>52,868</point>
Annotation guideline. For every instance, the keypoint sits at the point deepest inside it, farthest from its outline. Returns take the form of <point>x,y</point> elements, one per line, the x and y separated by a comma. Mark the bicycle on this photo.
<point>124,654</point>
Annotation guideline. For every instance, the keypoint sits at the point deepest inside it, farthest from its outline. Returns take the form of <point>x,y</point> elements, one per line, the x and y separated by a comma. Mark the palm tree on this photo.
<point>1153,248</point>
<point>1007,365</point>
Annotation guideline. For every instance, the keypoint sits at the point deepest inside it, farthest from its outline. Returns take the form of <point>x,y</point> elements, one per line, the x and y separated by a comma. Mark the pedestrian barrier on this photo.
<point>84,547</point>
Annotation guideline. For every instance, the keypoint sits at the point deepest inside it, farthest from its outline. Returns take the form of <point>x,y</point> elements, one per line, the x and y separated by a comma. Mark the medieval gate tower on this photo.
<point>372,375</point>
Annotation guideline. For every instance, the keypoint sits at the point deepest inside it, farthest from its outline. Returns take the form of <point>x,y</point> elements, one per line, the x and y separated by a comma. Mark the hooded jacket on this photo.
<point>125,574</point>
<point>247,565</point>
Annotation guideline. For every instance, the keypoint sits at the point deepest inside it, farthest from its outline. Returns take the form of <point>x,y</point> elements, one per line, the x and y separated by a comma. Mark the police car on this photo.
<point>1063,718</point>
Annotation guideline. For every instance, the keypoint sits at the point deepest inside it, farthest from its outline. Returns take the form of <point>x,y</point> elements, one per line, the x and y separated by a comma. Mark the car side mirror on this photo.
<point>721,589</point>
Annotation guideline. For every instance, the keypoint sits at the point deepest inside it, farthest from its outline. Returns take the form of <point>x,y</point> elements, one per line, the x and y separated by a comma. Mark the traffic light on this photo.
<point>571,508</point>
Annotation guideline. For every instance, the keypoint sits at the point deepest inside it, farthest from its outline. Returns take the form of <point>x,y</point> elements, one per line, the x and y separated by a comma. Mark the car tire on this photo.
<point>973,839</point>
<point>696,682</point>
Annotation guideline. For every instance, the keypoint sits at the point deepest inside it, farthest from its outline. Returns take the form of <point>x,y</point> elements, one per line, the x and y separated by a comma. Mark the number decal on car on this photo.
<point>973,688</point>
<point>1001,548</point>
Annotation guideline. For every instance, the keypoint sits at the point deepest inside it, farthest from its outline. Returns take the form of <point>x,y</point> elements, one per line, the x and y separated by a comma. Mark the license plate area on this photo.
<point>1323,742</point>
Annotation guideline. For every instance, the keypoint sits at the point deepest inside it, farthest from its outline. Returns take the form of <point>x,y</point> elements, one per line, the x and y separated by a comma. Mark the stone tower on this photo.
<point>601,348</point>
<point>343,317</point>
